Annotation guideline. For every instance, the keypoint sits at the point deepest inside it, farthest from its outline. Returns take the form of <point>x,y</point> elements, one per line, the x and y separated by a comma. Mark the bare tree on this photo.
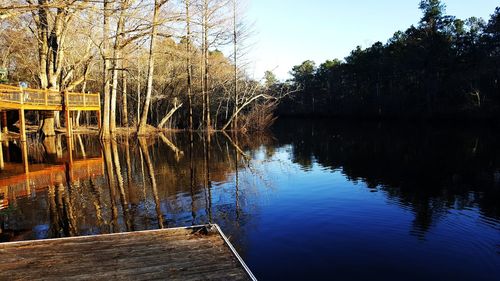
<point>117,48</point>
<point>124,93</point>
<point>213,32</point>
<point>129,41</point>
<point>189,69</point>
<point>105,128</point>
<point>142,130</point>
<point>52,20</point>
<point>235,66</point>
<point>254,91</point>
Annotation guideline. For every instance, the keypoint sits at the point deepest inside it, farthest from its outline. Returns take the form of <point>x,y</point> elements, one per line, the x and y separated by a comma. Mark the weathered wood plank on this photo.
<point>197,253</point>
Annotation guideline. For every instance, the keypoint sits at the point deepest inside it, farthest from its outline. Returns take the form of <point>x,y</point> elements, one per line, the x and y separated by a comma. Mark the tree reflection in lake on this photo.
<point>429,170</point>
<point>298,203</point>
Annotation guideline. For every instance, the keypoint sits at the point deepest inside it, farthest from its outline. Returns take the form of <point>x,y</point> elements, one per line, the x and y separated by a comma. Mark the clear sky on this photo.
<point>289,32</point>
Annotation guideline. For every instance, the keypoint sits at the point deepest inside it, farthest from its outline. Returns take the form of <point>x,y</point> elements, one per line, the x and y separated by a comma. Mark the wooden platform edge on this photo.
<point>193,228</point>
<point>235,253</point>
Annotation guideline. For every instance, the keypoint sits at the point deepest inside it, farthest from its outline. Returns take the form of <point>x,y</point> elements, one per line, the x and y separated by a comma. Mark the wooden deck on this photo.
<point>195,253</point>
<point>21,99</point>
<point>12,98</point>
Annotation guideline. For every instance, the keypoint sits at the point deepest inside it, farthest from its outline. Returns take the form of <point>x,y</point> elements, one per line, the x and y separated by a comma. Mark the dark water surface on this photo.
<point>312,200</point>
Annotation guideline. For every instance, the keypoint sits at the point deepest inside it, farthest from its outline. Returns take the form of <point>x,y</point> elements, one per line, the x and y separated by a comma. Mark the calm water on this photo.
<point>329,201</point>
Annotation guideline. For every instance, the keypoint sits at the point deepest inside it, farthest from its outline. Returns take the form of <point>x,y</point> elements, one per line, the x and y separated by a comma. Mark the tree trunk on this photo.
<point>169,114</point>
<point>50,35</point>
<point>138,91</point>
<point>105,128</point>
<point>124,94</point>
<point>188,66</point>
<point>48,125</point>
<point>79,112</point>
<point>235,70</point>
<point>144,116</point>
<point>205,63</point>
<point>116,58</point>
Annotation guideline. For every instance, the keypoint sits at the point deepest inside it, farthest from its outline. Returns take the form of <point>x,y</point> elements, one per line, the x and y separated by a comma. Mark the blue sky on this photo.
<point>291,31</point>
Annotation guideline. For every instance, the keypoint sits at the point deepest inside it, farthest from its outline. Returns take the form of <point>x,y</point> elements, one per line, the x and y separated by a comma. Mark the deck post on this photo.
<point>99,119</point>
<point>24,154</point>
<point>69,143</point>
<point>5,127</point>
<point>67,115</point>
<point>2,163</point>
<point>22,125</point>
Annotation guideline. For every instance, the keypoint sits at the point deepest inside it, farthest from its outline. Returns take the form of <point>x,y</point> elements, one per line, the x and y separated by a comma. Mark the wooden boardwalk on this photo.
<point>21,99</point>
<point>194,253</point>
<point>12,97</point>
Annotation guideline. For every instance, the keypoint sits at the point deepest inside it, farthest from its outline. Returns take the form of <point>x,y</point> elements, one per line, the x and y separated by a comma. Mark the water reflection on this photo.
<point>122,185</point>
<point>429,170</point>
<point>358,183</point>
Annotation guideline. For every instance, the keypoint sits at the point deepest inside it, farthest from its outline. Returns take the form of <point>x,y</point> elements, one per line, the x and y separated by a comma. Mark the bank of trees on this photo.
<point>155,63</point>
<point>442,67</point>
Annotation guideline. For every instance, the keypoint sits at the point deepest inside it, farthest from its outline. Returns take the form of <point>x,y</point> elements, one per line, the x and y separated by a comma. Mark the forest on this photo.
<point>183,65</point>
<point>444,67</point>
<point>157,64</point>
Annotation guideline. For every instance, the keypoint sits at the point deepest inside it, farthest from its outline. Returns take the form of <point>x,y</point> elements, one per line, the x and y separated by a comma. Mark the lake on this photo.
<point>309,200</point>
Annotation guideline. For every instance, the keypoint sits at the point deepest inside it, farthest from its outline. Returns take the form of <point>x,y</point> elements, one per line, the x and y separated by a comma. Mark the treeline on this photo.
<point>443,67</point>
<point>155,63</point>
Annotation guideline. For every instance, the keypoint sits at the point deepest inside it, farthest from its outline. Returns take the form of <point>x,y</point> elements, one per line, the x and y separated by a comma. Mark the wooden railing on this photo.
<point>46,98</point>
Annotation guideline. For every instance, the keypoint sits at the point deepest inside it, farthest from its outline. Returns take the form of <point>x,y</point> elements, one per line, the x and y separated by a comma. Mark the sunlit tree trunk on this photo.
<point>235,68</point>
<point>124,94</point>
<point>188,65</point>
<point>51,35</point>
<point>206,95</point>
<point>138,91</point>
<point>117,56</point>
<point>144,116</point>
<point>105,128</point>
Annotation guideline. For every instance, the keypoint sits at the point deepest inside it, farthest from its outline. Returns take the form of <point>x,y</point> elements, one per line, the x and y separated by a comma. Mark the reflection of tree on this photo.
<point>236,179</point>
<point>152,177</point>
<point>49,143</point>
<point>110,176</point>
<point>192,180</point>
<point>208,182</point>
<point>424,168</point>
<point>206,186</point>
<point>62,217</point>
<point>121,187</point>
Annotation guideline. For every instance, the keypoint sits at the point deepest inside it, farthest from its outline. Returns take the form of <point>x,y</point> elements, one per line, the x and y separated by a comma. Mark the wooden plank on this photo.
<point>192,253</point>
<point>81,108</point>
